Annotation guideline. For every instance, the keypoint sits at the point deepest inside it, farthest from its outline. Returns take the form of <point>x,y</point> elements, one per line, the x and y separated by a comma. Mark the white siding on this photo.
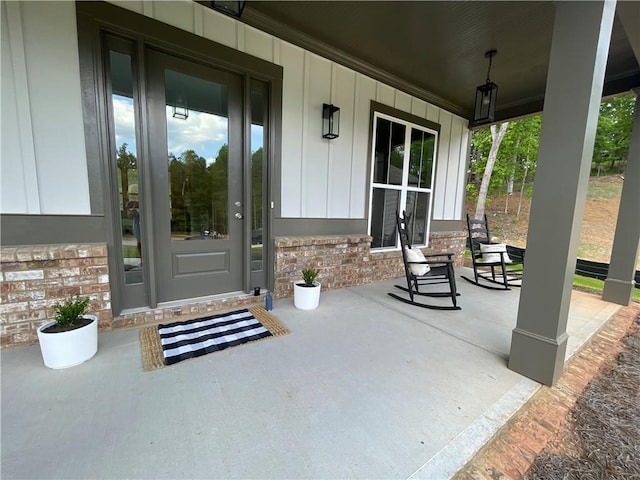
<point>177,13</point>
<point>403,101</point>
<point>360,173</point>
<point>16,192</point>
<point>293,60</point>
<point>419,108</point>
<point>343,84</point>
<point>320,178</point>
<point>440,184</point>
<point>219,28</point>
<point>49,149</point>
<point>258,44</point>
<point>315,149</point>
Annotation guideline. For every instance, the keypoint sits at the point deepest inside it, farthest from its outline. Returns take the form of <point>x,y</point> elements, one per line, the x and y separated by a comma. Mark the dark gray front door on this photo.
<point>195,151</point>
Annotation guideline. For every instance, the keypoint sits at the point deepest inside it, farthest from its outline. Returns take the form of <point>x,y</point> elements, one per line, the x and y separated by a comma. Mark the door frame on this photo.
<point>95,19</point>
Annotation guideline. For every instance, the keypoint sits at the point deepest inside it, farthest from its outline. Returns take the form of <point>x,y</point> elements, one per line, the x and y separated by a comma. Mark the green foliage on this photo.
<point>309,275</point>
<point>70,311</point>
<point>256,189</point>
<point>515,163</point>
<point>517,156</point>
<point>199,192</point>
<point>613,134</point>
<point>127,167</point>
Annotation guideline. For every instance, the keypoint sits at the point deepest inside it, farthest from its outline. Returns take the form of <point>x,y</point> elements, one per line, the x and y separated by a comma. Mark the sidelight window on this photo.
<point>125,157</point>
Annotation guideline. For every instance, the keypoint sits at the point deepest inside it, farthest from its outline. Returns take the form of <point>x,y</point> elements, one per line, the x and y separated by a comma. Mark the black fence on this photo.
<point>586,268</point>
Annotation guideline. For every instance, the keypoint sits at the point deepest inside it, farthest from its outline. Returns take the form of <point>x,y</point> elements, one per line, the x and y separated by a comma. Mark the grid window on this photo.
<point>403,166</point>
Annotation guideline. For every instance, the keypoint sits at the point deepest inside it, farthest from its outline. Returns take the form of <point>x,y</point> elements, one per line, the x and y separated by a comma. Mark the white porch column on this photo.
<point>618,287</point>
<point>580,44</point>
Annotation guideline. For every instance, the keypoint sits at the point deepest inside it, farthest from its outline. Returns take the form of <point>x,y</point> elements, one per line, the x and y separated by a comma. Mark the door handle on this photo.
<point>238,215</point>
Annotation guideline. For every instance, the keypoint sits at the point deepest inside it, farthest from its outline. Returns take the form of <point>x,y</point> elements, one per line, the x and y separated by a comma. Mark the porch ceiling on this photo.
<point>435,50</point>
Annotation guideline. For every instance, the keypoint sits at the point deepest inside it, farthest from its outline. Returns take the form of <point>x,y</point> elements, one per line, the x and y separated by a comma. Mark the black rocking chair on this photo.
<point>491,261</point>
<point>425,270</point>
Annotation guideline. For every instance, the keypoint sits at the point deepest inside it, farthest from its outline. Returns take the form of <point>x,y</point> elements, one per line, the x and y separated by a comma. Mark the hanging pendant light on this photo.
<point>486,95</point>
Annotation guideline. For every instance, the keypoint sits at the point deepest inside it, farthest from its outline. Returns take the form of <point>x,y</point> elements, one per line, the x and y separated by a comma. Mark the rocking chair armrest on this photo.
<point>443,254</point>
<point>432,261</point>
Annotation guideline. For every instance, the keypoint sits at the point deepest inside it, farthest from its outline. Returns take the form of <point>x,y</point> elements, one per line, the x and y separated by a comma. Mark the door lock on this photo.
<point>238,215</point>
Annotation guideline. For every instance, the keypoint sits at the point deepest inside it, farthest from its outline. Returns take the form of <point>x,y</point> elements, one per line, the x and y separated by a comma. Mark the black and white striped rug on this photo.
<point>193,338</point>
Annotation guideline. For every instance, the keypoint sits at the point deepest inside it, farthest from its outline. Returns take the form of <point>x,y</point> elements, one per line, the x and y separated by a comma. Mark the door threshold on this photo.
<point>187,309</point>
<point>239,297</point>
<point>208,298</point>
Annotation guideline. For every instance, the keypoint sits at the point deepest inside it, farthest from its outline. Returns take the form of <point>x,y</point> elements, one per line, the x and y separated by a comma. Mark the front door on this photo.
<point>196,171</point>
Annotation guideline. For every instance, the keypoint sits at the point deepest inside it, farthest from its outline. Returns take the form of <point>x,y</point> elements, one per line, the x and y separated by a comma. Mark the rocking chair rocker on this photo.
<point>491,261</point>
<point>425,270</point>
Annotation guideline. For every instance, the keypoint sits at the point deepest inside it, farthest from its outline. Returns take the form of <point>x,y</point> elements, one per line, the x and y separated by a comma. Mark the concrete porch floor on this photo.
<point>363,387</point>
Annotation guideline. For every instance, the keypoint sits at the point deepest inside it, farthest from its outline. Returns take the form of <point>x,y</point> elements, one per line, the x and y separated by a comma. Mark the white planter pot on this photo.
<point>67,349</point>
<point>306,298</point>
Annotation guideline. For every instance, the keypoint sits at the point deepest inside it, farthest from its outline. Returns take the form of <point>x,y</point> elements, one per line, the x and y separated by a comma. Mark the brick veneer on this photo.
<point>34,278</point>
<point>347,260</point>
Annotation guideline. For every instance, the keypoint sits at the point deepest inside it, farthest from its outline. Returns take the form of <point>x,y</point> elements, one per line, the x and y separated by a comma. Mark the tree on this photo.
<point>518,153</point>
<point>496,137</point>
<point>219,178</point>
<point>126,161</point>
<point>614,133</point>
<point>256,189</point>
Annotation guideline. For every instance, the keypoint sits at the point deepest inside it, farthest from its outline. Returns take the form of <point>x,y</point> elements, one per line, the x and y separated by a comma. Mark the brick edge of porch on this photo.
<point>513,449</point>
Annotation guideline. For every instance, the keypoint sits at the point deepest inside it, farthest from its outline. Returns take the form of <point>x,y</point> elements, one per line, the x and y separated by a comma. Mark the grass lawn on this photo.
<point>584,283</point>
<point>595,285</point>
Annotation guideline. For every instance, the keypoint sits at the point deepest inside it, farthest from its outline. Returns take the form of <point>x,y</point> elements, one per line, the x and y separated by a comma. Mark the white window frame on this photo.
<point>404,188</point>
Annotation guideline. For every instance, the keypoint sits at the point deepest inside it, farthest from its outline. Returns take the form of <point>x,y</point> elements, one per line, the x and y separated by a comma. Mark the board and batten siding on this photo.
<point>43,165</point>
<point>320,178</point>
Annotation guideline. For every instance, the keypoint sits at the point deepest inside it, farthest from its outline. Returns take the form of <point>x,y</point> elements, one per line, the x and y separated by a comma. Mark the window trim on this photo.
<point>411,121</point>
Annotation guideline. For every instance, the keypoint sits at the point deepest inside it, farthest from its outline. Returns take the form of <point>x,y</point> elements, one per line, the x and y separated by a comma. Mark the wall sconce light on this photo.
<point>486,95</point>
<point>227,7</point>
<point>330,121</point>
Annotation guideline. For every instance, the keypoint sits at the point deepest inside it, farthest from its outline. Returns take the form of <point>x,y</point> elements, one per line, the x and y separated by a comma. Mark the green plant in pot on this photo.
<point>306,293</point>
<point>309,276</point>
<point>69,315</point>
<point>71,338</point>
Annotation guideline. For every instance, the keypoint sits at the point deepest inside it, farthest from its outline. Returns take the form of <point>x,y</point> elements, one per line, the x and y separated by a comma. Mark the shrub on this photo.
<point>70,311</point>
<point>309,275</point>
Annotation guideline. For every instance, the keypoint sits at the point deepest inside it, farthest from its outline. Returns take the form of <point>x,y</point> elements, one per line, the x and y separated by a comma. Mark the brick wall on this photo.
<point>343,261</point>
<point>347,260</point>
<point>34,278</point>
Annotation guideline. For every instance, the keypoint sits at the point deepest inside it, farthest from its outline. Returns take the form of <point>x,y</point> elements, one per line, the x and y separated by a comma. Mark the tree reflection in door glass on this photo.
<point>124,129</point>
<point>197,142</point>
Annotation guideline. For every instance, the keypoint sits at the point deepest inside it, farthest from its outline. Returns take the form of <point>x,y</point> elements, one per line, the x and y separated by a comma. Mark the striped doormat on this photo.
<point>166,344</point>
